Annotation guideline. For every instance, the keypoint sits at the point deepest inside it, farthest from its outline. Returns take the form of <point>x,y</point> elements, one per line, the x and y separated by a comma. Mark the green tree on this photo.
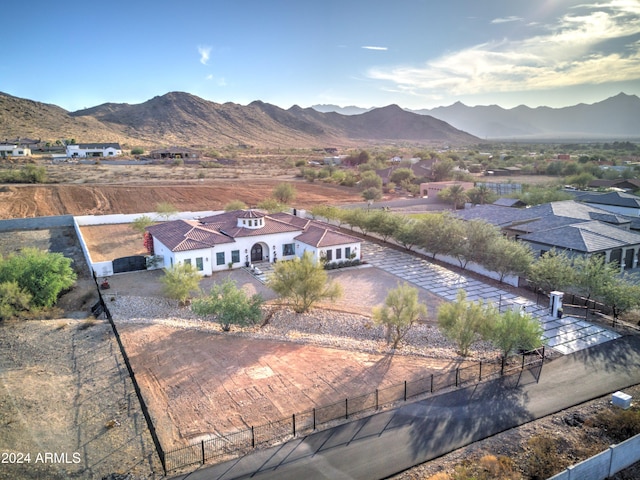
<point>42,274</point>
<point>552,271</point>
<point>580,181</point>
<point>514,330</point>
<point>165,210</point>
<point>622,294</point>
<point>13,300</point>
<point>454,195</point>
<point>229,305</point>
<point>593,275</point>
<point>400,175</point>
<point>436,231</point>
<point>370,180</point>
<point>464,322</point>
<point>407,234</point>
<point>401,310</point>
<point>272,205</point>
<point>235,205</point>
<point>481,194</point>
<point>442,169</point>
<point>303,283</point>
<point>284,193</point>
<point>508,257</point>
<point>384,223</point>
<point>372,194</point>
<point>478,236</point>
<point>179,281</point>
<point>137,151</point>
<point>140,223</point>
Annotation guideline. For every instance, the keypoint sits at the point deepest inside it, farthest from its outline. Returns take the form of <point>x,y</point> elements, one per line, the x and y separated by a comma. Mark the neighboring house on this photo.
<point>244,237</point>
<point>82,150</point>
<point>632,184</point>
<point>173,152</point>
<point>573,227</point>
<point>509,202</point>
<point>616,202</point>
<point>432,189</point>
<point>13,150</point>
<point>23,142</point>
<point>420,168</point>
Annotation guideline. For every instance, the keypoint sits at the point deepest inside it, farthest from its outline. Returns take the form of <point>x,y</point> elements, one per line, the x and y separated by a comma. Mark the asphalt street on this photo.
<point>390,442</point>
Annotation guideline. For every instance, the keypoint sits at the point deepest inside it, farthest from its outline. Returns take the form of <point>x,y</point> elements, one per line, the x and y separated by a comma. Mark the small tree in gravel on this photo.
<point>179,281</point>
<point>514,330</point>
<point>465,322</point>
<point>284,193</point>
<point>229,305</point>
<point>401,310</point>
<point>303,283</point>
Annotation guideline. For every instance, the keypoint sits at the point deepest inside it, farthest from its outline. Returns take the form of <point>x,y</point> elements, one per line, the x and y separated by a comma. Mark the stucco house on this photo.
<point>82,150</point>
<point>243,237</point>
<point>14,150</point>
<point>616,202</point>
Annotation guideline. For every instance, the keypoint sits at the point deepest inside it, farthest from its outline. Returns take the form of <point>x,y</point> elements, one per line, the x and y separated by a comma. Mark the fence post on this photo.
<point>376,399</point>
<point>202,449</point>
<point>346,408</point>
<point>480,373</point>
<point>405,390</point>
<point>431,383</point>
<point>294,424</point>
<point>500,303</point>
<point>314,418</point>
<point>457,375</point>
<point>502,367</point>
<point>253,438</point>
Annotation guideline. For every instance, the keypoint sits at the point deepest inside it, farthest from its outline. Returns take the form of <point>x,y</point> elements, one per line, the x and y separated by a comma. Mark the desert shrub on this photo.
<point>544,458</point>
<point>300,163</point>
<point>137,151</point>
<point>178,162</point>
<point>619,424</point>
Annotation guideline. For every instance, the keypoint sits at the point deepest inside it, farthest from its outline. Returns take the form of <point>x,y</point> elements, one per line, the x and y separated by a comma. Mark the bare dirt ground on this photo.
<point>19,201</point>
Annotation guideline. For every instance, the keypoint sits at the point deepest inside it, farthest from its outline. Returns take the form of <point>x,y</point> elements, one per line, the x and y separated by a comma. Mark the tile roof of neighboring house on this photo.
<point>318,237</point>
<point>541,217</point>
<point>586,237</point>
<point>618,199</point>
<point>182,235</point>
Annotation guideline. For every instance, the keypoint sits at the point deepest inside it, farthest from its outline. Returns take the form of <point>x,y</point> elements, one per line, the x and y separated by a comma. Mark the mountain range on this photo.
<point>179,118</point>
<point>616,117</point>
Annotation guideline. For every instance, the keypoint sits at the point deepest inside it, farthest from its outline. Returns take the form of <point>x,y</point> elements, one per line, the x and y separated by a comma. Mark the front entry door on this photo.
<point>256,253</point>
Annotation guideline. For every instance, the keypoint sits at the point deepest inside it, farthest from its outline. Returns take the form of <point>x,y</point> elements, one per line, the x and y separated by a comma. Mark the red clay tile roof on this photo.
<point>318,236</point>
<point>184,235</point>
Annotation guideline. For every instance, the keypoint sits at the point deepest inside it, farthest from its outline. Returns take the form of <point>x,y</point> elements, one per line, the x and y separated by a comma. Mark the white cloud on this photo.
<point>369,47</point>
<point>204,54</point>
<point>578,49</point>
<point>507,19</point>
<point>209,77</point>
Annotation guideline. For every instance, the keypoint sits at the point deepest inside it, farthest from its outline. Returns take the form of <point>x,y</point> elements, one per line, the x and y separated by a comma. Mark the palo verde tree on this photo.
<point>621,294</point>
<point>515,330</point>
<point>303,283</point>
<point>229,305</point>
<point>553,270</point>
<point>140,223</point>
<point>401,310</point>
<point>284,193</point>
<point>465,322</point>
<point>508,257</point>
<point>179,281</point>
<point>235,205</point>
<point>593,274</point>
<point>165,210</point>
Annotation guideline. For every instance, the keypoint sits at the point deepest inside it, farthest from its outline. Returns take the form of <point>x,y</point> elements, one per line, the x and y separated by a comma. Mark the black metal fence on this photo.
<point>303,423</point>
<point>97,309</point>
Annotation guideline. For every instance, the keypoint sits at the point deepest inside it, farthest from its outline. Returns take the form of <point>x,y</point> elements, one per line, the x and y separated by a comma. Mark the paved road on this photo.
<point>390,442</point>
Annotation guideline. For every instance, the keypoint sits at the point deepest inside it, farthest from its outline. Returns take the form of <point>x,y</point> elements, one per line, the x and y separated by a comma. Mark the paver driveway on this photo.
<point>566,335</point>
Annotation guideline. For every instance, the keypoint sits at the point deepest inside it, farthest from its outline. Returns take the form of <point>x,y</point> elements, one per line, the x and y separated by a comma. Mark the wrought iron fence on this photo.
<point>241,442</point>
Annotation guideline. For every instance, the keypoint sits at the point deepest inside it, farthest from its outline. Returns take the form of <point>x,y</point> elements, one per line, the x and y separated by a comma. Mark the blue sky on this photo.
<point>414,53</point>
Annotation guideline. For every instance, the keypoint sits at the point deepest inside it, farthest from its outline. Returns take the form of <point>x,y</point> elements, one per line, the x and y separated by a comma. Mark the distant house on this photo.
<point>23,142</point>
<point>243,237</point>
<point>509,202</point>
<point>174,153</point>
<point>420,169</point>
<point>13,150</point>
<point>570,226</point>
<point>632,184</point>
<point>82,150</point>
<point>432,189</point>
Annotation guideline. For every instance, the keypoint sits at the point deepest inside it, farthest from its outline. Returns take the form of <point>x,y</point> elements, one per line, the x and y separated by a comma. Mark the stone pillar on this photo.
<point>555,302</point>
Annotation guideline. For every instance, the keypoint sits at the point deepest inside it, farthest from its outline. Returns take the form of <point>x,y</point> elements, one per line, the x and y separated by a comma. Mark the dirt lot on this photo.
<point>44,200</point>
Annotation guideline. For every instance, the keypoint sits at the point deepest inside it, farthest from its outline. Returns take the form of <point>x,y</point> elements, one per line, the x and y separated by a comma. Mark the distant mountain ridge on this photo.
<point>615,117</point>
<point>179,118</point>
